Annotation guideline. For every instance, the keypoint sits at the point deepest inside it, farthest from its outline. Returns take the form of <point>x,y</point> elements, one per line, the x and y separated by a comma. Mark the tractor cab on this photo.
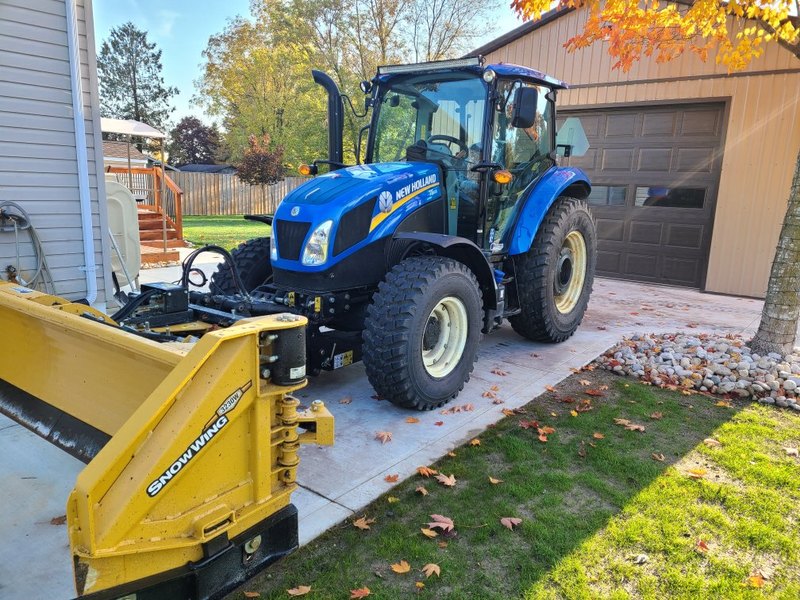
<point>490,130</point>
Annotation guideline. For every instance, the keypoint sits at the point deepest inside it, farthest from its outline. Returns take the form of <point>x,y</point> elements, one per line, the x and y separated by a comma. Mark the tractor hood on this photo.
<point>363,203</point>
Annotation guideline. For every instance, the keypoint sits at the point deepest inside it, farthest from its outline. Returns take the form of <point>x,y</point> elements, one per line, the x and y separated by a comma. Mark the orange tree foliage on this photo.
<point>667,30</point>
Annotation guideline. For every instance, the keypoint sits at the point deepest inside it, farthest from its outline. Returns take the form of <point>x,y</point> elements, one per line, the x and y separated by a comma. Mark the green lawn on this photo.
<point>592,498</point>
<point>227,231</point>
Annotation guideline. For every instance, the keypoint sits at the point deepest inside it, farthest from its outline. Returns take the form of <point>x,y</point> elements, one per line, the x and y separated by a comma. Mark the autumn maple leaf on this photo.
<point>383,436</point>
<point>392,478</point>
<point>475,442</point>
<point>300,590</point>
<point>359,593</point>
<point>363,523</point>
<point>426,471</point>
<point>421,490</point>
<point>432,568</point>
<point>441,522</point>
<point>412,420</point>
<point>510,522</point>
<point>445,480</point>
<point>499,372</point>
<point>430,533</point>
<point>401,567</point>
<point>494,481</point>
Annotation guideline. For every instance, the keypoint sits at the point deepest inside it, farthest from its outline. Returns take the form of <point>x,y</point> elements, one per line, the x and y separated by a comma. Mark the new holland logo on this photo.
<point>295,211</point>
<point>385,201</point>
<point>211,429</point>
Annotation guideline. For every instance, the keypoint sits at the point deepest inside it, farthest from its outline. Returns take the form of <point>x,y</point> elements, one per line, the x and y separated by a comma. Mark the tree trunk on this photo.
<point>778,327</point>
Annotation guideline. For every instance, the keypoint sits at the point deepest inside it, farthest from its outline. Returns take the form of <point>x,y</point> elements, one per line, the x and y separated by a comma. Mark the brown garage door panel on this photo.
<point>665,161</point>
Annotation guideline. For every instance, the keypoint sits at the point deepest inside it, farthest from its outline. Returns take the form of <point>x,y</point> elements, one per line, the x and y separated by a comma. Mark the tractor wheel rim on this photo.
<point>570,272</point>
<point>445,337</point>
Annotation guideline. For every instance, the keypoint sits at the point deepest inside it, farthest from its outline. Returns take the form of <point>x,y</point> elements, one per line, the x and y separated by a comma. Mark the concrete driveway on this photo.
<point>337,482</point>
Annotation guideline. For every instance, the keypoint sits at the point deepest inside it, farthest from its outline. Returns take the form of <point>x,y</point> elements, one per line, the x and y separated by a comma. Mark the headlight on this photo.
<point>273,249</point>
<point>316,250</point>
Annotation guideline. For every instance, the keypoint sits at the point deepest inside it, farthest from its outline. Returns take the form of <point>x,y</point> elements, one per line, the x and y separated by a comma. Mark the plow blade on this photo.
<point>191,448</point>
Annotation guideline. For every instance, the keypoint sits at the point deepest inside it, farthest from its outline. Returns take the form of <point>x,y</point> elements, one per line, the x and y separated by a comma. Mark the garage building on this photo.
<point>691,165</point>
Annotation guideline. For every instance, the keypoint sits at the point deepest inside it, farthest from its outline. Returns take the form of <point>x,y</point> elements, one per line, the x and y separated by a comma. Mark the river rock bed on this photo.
<point>716,364</point>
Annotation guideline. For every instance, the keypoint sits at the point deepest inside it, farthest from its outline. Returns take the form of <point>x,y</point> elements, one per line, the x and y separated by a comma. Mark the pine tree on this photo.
<point>131,84</point>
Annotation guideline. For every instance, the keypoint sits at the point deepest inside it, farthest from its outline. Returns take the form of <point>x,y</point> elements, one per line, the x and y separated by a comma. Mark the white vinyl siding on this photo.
<point>38,161</point>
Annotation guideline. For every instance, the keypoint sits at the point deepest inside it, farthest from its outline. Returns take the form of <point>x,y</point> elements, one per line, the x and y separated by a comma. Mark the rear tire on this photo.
<point>254,266</point>
<point>422,332</point>
<point>554,278</point>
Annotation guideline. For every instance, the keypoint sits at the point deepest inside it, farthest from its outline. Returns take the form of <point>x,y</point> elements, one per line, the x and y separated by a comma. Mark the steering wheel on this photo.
<point>448,139</point>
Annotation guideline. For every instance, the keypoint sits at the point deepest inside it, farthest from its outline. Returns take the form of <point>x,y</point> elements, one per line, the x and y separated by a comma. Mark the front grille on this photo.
<point>354,226</point>
<point>290,237</point>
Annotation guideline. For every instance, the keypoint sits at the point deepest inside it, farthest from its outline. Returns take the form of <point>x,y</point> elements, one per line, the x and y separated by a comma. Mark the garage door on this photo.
<point>655,174</point>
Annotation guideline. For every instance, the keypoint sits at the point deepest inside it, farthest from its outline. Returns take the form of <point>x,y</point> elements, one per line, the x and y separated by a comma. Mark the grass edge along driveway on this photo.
<point>700,504</point>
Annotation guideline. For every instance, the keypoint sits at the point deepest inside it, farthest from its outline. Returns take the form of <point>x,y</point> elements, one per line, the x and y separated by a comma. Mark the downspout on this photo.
<point>90,269</point>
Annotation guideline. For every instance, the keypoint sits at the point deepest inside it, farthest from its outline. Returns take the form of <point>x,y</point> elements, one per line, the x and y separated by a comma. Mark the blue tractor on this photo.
<point>457,218</point>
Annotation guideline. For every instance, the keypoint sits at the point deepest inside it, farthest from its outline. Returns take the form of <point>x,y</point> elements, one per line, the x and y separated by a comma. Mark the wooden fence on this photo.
<point>216,194</point>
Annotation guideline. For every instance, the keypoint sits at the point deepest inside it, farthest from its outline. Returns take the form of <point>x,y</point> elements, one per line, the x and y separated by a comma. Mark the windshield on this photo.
<point>444,111</point>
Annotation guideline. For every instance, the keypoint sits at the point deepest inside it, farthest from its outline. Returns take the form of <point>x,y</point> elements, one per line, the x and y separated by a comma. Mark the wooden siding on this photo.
<point>222,194</point>
<point>762,132</point>
<point>38,162</point>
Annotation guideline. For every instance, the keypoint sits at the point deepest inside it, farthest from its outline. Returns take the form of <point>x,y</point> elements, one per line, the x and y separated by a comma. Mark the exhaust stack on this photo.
<point>335,116</point>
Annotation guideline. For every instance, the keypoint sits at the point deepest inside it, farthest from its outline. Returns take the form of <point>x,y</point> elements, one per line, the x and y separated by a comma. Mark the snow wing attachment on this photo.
<point>192,448</point>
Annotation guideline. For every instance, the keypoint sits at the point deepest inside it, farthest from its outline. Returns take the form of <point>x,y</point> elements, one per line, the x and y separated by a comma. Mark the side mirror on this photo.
<point>526,99</point>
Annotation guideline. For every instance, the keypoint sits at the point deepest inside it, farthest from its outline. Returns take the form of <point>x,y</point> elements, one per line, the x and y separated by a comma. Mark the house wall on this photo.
<point>762,140</point>
<point>38,159</point>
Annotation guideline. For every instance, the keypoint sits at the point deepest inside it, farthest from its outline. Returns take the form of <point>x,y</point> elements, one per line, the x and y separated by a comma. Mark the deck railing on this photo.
<point>146,185</point>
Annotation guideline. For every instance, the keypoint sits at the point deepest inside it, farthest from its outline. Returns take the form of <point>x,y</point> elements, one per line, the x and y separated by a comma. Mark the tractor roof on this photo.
<point>473,64</point>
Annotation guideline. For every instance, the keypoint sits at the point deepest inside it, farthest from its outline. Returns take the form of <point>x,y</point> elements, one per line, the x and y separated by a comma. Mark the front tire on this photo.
<point>254,266</point>
<point>422,332</point>
<point>555,277</point>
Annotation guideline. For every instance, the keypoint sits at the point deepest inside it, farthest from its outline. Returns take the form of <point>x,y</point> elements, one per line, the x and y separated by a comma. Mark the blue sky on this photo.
<point>181,29</point>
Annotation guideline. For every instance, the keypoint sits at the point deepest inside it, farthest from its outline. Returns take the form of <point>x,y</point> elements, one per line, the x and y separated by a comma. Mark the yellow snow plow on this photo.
<point>191,447</point>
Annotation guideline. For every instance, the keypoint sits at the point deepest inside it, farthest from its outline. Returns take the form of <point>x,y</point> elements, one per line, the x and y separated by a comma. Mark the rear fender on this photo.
<point>460,249</point>
<point>559,181</point>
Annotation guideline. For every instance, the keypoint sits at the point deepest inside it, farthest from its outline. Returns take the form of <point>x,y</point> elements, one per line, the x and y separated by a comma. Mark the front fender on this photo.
<point>558,181</point>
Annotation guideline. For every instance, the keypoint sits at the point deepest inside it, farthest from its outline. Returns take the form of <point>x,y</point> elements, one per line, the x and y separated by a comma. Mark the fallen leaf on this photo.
<point>554,415</point>
<point>428,532</point>
<point>252,595</point>
<point>712,443</point>
<point>426,471</point>
<point>442,545</point>
<point>432,568</point>
<point>445,480</point>
<point>494,481</point>
<point>58,520</point>
<point>596,393</point>
<point>602,327</point>
<point>421,490</point>
<point>499,372</point>
<point>640,559</point>
<point>756,581</point>
<point>300,590</point>
<point>392,499</point>
<point>488,394</point>
<point>723,403</point>
<point>598,436</point>
<point>574,413</point>
<point>419,585</point>
<point>658,456</point>
<point>439,423</point>
<point>363,523</point>
<point>468,407</point>
<point>547,430</point>
<point>585,382</point>
<point>656,416</point>
<point>412,420</point>
<point>383,436</point>
<point>475,442</point>
<point>510,522</point>
<point>701,546</point>
<point>359,593</point>
<point>543,438</point>
<point>550,388</point>
<point>498,401</point>
<point>401,567</point>
<point>629,425</point>
<point>535,355</point>
<point>789,452</point>
<point>697,473</point>
<point>346,400</point>
<point>441,522</point>
<point>451,454</point>
<point>392,478</point>
<point>582,450</point>
<point>525,424</point>
<point>567,400</point>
